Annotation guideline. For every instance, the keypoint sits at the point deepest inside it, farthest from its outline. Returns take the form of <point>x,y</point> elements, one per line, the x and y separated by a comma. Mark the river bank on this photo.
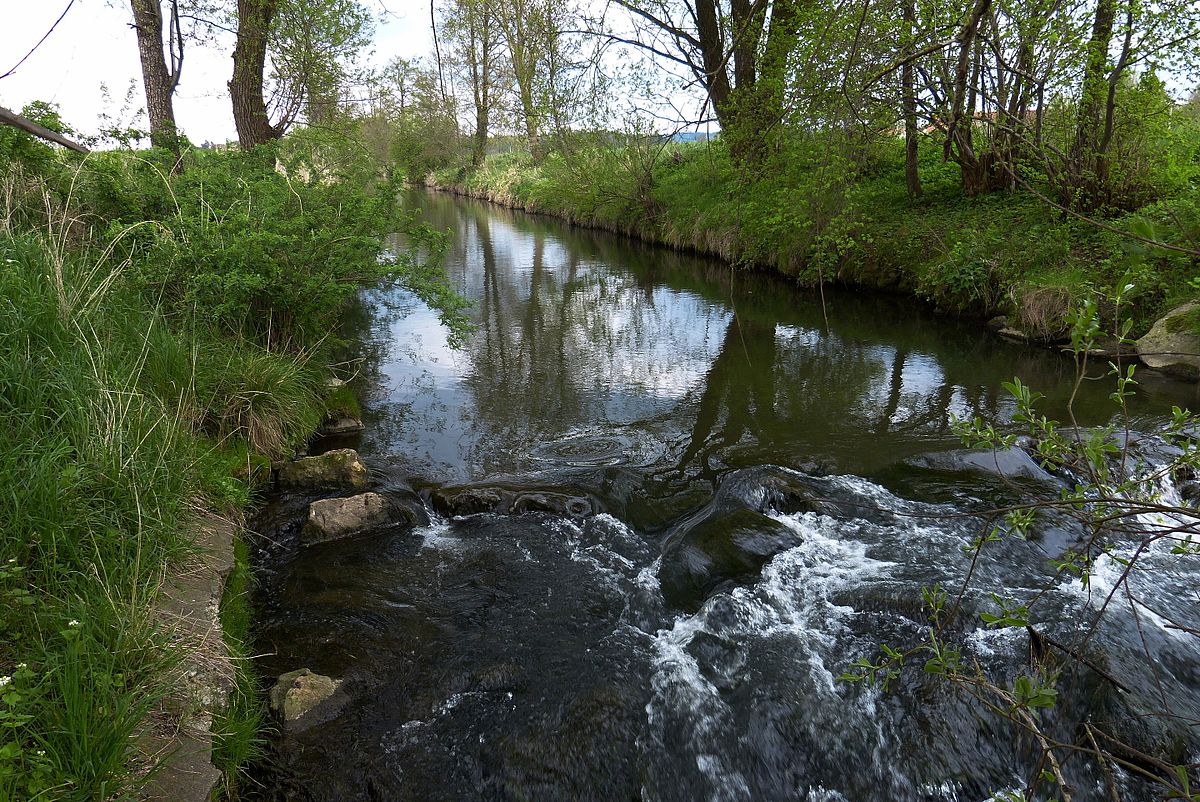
<point>1000,254</point>
<point>166,342</point>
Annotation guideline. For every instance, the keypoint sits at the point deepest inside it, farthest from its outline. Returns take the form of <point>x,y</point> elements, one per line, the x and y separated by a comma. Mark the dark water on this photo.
<point>711,501</point>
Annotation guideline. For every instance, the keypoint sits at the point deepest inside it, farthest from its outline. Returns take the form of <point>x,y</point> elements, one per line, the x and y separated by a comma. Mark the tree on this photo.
<point>308,47</point>
<point>473,33</point>
<point>254,18</point>
<point>312,47</point>
<point>739,51</point>
<point>159,80</point>
<point>531,38</point>
<point>908,94</point>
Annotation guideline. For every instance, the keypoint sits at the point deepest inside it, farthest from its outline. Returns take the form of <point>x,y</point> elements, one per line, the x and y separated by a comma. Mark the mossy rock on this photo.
<point>1173,342</point>
<point>338,468</point>
<point>303,698</point>
<point>1186,323</point>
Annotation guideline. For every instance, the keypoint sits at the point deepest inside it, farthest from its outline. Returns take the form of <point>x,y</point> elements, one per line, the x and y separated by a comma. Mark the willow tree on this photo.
<point>1124,35</point>
<point>312,49</point>
<point>739,51</point>
<point>532,37</point>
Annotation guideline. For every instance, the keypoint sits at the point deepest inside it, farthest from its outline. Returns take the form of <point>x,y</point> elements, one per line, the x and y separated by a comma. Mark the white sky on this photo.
<point>95,47</point>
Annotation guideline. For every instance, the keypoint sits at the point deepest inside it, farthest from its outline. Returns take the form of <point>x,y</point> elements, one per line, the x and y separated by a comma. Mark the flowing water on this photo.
<point>668,504</point>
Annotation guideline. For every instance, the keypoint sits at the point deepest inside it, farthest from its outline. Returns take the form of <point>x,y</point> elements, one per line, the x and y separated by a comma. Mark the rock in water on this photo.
<point>303,698</point>
<point>471,500</point>
<point>333,518</point>
<point>340,426</point>
<point>338,468</point>
<point>1173,342</point>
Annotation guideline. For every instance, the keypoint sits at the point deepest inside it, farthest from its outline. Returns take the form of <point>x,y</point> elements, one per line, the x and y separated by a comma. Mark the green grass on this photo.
<point>116,428</point>
<point>237,730</point>
<point>342,402</point>
<point>165,338</point>
<point>129,406</point>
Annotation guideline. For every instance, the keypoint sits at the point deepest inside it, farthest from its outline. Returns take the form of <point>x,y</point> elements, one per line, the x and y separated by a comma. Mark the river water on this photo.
<point>668,504</point>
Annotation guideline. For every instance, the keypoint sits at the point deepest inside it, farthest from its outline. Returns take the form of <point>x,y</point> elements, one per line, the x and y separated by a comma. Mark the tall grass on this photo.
<point>115,429</point>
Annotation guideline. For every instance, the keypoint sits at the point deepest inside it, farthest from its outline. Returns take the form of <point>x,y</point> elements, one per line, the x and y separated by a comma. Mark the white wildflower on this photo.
<point>4,681</point>
<point>72,623</point>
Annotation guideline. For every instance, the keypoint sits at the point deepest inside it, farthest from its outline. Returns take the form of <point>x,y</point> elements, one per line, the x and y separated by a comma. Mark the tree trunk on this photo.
<point>157,79</point>
<point>712,53</point>
<point>912,173</point>
<point>479,148</point>
<point>249,64</point>
<point>758,107</point>
<point>531,130</point>
<point>480,44</point>
<point>747,31</point>
<point>1087,164</point>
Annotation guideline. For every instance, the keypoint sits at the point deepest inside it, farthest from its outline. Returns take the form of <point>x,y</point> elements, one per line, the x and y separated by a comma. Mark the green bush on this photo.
<point>260,255</point>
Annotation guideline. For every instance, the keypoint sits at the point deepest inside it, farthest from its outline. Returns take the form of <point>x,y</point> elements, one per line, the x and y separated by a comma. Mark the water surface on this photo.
<point>761,485</point>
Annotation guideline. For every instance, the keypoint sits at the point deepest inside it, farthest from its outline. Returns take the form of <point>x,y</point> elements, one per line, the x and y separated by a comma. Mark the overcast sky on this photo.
<point>94,47</point>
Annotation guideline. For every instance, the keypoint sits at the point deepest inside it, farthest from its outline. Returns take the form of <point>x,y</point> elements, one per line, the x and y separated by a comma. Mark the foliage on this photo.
<point>312,47</point>
<point>102,426</point>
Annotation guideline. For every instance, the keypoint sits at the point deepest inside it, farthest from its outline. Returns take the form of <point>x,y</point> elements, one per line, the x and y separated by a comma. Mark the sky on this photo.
<point>88,62</point>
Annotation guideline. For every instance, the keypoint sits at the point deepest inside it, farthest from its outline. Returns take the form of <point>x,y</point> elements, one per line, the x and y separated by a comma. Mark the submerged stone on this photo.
<point>303,698</point>
<point>339,426</point>
<point>461,501</point>
<point>340,467</point>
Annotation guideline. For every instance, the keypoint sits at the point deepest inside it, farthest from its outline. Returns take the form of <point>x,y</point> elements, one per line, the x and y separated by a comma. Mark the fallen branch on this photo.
<point>29,126</point>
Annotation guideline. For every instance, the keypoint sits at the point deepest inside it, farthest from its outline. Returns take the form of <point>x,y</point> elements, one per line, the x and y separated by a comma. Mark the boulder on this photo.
<point>471,500</point>
<point>1008,463</point>
<point>557,503</point>
<point>333,518</point>
<point>740,529</point>
<point>716,546</point>
<point>457,501</point>
<point>734,535</point>
<point>303,698</point>
<point>338,468</point>
<point>341,425</point>
<point>1014,334</point>
<point>1173,342</point>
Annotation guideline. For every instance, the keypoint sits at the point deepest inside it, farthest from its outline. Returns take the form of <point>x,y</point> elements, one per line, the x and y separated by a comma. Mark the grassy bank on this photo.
<point>165,337</point>
<point>820,215</point>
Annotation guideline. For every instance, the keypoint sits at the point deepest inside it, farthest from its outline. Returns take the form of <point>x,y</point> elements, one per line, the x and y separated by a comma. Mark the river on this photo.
<point>657,609</point>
